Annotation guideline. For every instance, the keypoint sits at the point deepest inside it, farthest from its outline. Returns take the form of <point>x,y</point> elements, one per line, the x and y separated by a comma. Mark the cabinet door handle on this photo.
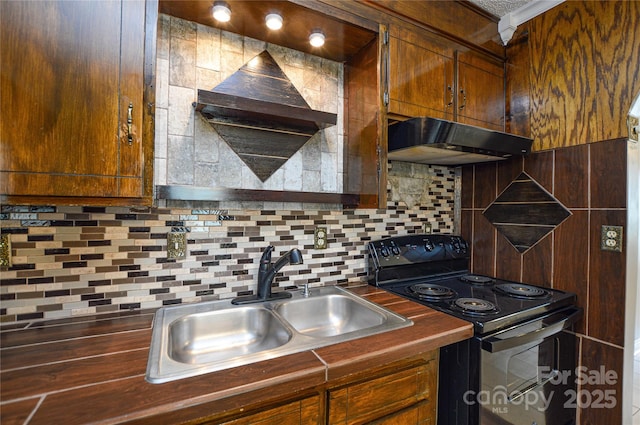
<point>451,99</point>
<point>130,123</point>
<point>464,99</point>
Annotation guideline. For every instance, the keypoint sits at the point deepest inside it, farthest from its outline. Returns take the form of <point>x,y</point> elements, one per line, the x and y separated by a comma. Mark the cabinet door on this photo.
<point>400,397</point>
<point>70,70</point>
<point>420,81</point>
<point>480,91</point>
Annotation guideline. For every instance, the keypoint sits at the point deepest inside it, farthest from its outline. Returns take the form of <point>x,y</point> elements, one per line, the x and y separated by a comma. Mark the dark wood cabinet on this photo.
<point>74,103</point>
<point>436,78</point>
<point>480,91</point>
<point>307,411</point>
<point>402,392</point>
<point>421,76</point>
<point>406,396</point>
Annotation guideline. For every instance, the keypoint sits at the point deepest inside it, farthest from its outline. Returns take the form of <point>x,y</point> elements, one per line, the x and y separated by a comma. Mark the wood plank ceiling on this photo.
<point>343,39</point>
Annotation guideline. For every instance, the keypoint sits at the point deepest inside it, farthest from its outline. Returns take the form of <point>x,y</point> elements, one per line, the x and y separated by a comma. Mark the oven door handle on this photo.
<point>550,325</point>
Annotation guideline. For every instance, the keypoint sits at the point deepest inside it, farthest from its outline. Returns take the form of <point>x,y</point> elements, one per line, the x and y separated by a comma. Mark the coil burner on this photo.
<point>475,306</point>
<point>476,279</point>
<point>519,290</point>
<point>430,292</point>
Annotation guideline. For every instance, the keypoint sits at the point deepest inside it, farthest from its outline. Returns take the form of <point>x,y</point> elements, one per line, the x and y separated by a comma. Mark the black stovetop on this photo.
<point>433,270</point>
<point>486,305</point>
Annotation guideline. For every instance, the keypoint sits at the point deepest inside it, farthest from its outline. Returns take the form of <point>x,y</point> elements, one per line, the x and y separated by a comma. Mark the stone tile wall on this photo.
<point>188,151</point>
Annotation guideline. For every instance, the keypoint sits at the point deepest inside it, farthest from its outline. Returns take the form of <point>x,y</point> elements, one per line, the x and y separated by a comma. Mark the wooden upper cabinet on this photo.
<point>438,79</point>
<point>480,92</point>
<point>72,99</point>
<point>421,78</point>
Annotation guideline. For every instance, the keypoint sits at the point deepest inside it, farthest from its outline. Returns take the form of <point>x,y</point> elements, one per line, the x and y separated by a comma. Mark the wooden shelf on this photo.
<point>195,193</point>
<point>227,109</point>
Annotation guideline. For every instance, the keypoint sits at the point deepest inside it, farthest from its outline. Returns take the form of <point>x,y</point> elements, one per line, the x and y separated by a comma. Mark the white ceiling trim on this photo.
<point>509,22</point>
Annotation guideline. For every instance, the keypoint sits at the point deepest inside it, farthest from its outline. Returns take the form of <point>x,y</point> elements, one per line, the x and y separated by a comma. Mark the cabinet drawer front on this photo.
<point>376,398</point>
<point>420,414</point>
<point>305,411</point>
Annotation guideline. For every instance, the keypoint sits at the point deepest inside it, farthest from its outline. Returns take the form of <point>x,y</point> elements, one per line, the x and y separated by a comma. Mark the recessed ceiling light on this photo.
<point>316,39</point>
<point>274,21</point>
<point>221,12</point>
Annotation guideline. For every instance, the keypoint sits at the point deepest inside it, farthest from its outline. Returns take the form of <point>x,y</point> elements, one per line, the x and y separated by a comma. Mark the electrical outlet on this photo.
<point>5,250</point>
<point>611,238</point>
<point>426,228</point>
<point>320,238</point>
<point>176,246</point>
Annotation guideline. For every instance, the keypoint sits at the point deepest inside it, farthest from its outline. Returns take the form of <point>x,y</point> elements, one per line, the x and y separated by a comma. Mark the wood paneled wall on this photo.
<point>584,71</point>
<point>571,76</point>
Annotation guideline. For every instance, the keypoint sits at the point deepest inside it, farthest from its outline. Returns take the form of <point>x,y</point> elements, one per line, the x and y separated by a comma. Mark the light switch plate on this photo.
<point>611,238</point>
<point>5,250</point>
<point>176,245</point>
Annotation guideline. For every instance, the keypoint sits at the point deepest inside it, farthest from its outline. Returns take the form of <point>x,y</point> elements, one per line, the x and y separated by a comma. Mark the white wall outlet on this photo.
<point>611,238</point>
<point>320,238</point>
<point>426,228</point>
<point>176,245</point>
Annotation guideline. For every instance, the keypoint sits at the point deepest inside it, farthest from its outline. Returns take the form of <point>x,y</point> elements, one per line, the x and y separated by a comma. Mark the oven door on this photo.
<point>527,373</point>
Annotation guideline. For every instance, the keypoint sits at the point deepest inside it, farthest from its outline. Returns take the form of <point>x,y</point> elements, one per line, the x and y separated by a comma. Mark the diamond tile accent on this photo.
<point>262,145</point>
<point>524,213</point>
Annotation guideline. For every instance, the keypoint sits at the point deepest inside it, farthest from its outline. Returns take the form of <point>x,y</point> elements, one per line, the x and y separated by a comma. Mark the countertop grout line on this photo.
<point>75,338</point>
<point>35,409</point>
<point>74,359</point>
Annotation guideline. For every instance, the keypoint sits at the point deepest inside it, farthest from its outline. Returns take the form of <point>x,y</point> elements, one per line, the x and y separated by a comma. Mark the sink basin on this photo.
<point>226,334</point>
<point>193,339</point>
<point>329,315</point>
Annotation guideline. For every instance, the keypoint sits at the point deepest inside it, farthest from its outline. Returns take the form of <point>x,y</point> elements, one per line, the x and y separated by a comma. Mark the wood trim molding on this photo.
<point>509,22</point>
<point>194,193</point>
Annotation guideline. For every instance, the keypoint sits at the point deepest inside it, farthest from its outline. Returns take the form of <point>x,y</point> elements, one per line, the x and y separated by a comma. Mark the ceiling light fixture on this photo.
<point>273,21</point>
<point>316,39</point>
<point>221,11</point>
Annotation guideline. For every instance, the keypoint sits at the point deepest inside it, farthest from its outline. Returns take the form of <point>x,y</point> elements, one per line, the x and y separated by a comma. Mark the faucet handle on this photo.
<point>266,254</point>
<point>305,290</point>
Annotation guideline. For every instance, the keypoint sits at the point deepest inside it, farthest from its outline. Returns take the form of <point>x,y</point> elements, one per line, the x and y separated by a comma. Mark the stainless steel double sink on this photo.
<point>193,339</point>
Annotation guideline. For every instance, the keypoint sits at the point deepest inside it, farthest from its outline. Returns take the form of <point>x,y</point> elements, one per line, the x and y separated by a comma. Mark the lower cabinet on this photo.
<point>398,393</point>
<point>405,397</point>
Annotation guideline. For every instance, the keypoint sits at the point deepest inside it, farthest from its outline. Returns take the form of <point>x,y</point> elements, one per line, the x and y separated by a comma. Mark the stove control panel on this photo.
<point>413,249</point>
<point>399,257</point>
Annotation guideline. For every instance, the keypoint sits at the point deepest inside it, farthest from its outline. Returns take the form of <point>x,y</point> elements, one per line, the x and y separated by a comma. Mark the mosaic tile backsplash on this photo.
<point>69,261</point>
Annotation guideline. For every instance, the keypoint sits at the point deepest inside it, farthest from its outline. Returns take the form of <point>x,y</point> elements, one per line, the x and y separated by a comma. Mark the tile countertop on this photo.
<point>91,369</point>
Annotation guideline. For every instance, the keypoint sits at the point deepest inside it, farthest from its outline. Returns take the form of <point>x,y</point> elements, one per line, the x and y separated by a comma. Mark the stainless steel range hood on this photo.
<point>439,142</point>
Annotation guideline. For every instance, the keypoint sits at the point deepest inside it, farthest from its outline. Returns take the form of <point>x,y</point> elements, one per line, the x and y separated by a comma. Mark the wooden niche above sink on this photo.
<point>351,39</point>
<point>261,115</point>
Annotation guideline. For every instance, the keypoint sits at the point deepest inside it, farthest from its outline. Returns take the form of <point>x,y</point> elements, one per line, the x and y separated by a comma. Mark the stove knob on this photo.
<point>463,245</point>
<point>395,250</point>
<point>384,251</point>
<point>428,245</point>
<point>456,246</point>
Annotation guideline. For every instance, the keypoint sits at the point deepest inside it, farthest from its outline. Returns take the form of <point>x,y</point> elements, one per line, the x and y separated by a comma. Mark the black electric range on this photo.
<point>434,270</point>
<point>522,339</point>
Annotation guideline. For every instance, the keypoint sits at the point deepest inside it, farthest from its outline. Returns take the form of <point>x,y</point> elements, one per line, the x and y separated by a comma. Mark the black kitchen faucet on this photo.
<point>266,273</point>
